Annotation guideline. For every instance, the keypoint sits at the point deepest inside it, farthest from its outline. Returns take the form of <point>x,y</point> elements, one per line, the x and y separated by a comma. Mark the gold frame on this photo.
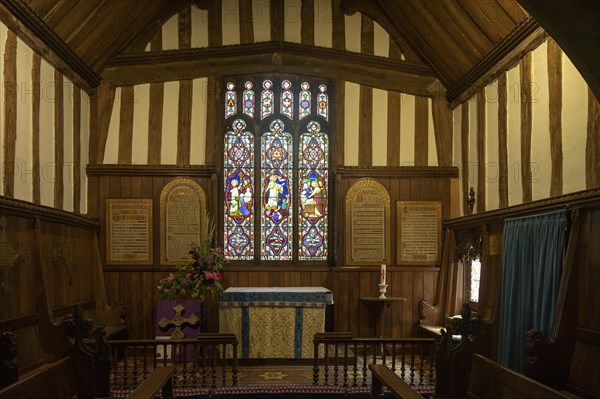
<point>164,194</point>
<point>351,199</point>
<point>147,203</point>
<point>400,205</point>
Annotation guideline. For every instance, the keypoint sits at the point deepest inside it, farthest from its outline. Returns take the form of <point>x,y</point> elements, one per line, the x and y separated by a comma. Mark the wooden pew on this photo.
<point>383,376</point>
<point>50,381</point>
<point>489,380</point>
<point>161,378</point>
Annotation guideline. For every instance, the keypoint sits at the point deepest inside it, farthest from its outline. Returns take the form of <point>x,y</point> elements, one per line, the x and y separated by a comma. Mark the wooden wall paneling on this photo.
<point>351,312</point>
<point>592,152</point>
<point>149,300</point>
<point>408,326</point>
<point>464,141</point>
<point>125,295</point>
<point>555,114</point>
<point>307,13</point>
<point>136,187</point>
<point>246,22</point>
<point>137,297</point>
<point>59,141</point>
<point>526,126</point>
<point>342,291</point>
<point>421,131</point>
<point>368,287</point>
<point>102,194</point>
<point>125,183</point>
<point>418,296</point>
<point>393,127</point>
<point>126,125</point>
<point>253,280</point>
<point>35,126</point>
<point>502,142</point>
<point>398,309</point>
<point>10,112</point>
<point>481,152</point>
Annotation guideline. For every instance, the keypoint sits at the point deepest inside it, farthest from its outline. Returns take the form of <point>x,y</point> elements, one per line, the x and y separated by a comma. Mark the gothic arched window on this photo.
<point>276,192</point>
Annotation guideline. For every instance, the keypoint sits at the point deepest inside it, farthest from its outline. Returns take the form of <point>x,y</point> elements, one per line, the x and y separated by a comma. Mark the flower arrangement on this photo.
<point>201,274</point>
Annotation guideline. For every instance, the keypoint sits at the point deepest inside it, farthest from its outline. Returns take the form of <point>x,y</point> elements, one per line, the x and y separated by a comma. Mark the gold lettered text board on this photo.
<point>129,231</point>
<point>419,232</point>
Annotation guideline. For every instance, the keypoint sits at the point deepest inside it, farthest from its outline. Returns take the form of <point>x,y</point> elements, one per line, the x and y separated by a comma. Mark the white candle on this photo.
<point>382,274</point>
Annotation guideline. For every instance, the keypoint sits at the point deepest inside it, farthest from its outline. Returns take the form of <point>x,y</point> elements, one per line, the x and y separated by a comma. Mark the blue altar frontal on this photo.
<point>274,322</point>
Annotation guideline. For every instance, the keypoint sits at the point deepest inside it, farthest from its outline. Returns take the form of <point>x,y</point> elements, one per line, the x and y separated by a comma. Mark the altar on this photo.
<point>274,322</point>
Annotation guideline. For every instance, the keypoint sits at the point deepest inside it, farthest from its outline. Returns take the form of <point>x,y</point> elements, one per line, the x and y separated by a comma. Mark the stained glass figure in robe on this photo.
<point>239,192</point>
<point>276,187</point>
<point>313,188</point>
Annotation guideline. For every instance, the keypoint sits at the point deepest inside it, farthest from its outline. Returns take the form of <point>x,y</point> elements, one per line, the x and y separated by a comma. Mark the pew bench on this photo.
<point>160,379</point>
<point>383,376</point>
<point>489,380</point>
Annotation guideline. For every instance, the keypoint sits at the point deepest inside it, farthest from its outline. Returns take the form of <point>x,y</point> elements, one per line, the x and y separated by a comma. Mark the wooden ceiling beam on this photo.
<point>33,31</point>
<point>513,10</point>
<point>349,7</point>
<point>526,37</point>
<point>467,27</point>
<point>58,12</point>
<point>497,17</point>
<point>379,72</point>
<point>89,11</point>
<point>479,18</point>
<point>445,68</point>
<point>437,10</point>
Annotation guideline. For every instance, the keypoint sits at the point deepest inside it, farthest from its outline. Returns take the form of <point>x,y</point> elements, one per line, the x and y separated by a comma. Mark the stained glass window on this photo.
<point>287,99</point>
<point>249,100</point>
<point>305,101</point>
<point>323,102</point>
<point>239,192</point>
<point>266,100</point>
<point>276,196</point>
<point>313,188</point>
<point>276,189</point>
<point>230,100</point>
<point>475,279</point>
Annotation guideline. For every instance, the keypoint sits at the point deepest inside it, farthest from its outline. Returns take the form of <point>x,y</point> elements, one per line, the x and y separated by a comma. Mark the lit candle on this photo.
<point>382,274</point>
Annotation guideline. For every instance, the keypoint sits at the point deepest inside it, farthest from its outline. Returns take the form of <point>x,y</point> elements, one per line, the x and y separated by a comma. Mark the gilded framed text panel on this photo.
<point>419,232</point>
<point>128,231</point>
<point>182,206</point>
<point>367,224</point>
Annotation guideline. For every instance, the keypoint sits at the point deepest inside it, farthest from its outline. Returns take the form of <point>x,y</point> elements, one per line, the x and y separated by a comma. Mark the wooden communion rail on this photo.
<point>345,360</point>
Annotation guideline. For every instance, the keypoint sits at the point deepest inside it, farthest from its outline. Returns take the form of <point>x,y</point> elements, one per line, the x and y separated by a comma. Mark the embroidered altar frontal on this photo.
<point>274,322</point>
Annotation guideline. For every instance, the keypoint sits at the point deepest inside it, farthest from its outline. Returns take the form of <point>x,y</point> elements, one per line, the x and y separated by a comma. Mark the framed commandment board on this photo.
<point>419,232</point>
<point>128,231</point>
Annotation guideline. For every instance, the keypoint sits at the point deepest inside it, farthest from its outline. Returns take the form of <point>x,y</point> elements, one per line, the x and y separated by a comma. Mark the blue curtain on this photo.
<point>531,268</point>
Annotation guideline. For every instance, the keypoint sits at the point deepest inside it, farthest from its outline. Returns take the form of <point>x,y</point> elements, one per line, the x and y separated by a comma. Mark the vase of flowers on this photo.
<point>200,275</point>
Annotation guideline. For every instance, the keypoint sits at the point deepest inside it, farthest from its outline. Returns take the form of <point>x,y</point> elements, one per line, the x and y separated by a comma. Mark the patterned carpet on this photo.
<point>283,382</point>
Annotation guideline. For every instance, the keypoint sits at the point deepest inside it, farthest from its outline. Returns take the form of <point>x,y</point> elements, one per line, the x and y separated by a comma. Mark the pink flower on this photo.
<point>189,275</point>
